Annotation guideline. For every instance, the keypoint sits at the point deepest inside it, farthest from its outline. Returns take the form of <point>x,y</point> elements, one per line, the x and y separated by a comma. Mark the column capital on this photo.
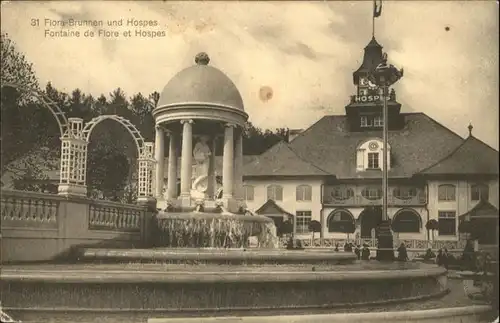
<point>187,121</point>
<point>230,125</point>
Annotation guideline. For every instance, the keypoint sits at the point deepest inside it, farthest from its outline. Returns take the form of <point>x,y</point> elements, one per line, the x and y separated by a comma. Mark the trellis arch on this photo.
<point>58,114</point>
<point>134,132</point>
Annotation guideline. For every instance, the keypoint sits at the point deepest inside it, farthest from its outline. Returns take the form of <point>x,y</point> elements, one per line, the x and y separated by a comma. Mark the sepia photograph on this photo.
<point>249,161</point>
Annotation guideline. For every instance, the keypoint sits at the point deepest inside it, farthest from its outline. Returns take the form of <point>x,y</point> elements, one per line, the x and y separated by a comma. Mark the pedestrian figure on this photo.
<point>365,252</point>
<point>357,251</point>
<point>442,258</point>
<point>402,253</point>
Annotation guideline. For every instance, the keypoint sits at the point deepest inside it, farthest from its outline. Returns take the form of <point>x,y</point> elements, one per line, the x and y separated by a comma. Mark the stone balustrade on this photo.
<point>29,209</point>
<point>105,215</point>
<point>41,227</point>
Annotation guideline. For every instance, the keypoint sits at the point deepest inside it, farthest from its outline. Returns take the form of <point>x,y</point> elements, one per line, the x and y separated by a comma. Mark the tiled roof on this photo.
<point>482,208</point>
<point>281,160</point>
<point>271,208</point>
<point>472,157</point>
<point>421,143</point>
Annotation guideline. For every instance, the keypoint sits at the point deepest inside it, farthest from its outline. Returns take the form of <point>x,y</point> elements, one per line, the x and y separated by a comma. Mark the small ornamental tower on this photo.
<point>364,112</point>
<point>73,160</point>
<point>146,178</point>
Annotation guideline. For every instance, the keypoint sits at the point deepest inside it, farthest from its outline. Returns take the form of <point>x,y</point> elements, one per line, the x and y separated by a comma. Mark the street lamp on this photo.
<point>385,75</point>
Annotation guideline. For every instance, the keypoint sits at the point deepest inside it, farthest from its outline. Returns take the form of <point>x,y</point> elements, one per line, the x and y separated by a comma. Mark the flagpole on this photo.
<point>373,18</point>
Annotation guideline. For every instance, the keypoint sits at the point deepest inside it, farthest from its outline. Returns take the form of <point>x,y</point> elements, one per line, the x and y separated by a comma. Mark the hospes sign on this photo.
<point>368,98</point>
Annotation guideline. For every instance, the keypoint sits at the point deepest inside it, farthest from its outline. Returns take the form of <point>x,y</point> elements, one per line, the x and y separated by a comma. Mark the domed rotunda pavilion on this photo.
<point>198,105</point>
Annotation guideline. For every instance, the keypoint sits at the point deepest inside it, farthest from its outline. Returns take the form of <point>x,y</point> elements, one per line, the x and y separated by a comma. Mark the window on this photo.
<point>248,192</point>
<point>342,193</point>
<point>303,193</point>
<point>275,193</point>
<point>341,221</point>
<point>364,122</point>
<point>479,192</point>
<point>373,161</point>
<point>446,223</point>
<point>404,193</point>
<point>446,192</point>
<point>303,220</point>
<point>372,193</point>
<point>406,221</point>
<point>378,121</point>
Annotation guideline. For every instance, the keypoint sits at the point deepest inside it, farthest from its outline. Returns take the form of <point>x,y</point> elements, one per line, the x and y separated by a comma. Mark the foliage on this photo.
<point>285,228</point>
<point>432,225</point>
<point>30,144</point>
<point>314,226</point>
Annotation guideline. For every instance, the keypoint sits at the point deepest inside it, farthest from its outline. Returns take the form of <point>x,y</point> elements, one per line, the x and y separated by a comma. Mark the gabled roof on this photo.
<point>281,160</point>
<point>330,145</point>
<point>472,157</point>
<point>482,208</point>
<point>271,208</point>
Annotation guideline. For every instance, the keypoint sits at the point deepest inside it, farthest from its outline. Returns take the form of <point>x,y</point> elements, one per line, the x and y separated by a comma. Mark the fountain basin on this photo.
<point>183,289</point>
<point>212,229</point>
<point>215,256</point>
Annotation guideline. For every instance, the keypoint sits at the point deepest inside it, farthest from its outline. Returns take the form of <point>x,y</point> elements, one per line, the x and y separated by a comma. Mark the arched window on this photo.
<point>275,193</point>
<point>342,193</point>
<point>372,193</point>
<point>248,192</point>
<point>369,155</point>
<point>446,192</point>
<point>407,221</point>
<point>404,193</point>
<point>303,193</point>
<point>479,192</point>
<point>341,221</point>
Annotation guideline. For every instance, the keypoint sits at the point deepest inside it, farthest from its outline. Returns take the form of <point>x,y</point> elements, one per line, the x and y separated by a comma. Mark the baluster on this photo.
<point>41,213</point>
<point>138,218</point>
<point>100,212</point>
<point>48,212</point>
<point>21,215</point>
<point>92,215</point>
<point>12,212</point>
<point>34,213</point>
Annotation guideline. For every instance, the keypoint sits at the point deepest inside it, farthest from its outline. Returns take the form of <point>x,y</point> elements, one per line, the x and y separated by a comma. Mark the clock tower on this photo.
<point>364,112</point>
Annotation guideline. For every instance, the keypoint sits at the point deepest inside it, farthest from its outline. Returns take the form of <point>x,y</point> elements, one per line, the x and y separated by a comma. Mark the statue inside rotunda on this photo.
<point>199,109</point>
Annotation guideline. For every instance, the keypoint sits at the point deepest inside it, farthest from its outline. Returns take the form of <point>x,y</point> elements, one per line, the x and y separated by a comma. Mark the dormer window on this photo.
<point>378,121</point>
<point>366,122</point>
<point>370,154</point>
<point>372,121</point>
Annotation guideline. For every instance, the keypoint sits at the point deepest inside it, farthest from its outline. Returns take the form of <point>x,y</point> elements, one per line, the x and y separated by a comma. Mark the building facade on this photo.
<point>331,172</point>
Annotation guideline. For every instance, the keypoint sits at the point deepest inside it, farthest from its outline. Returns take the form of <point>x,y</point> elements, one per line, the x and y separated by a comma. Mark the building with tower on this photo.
<point>332,171</point>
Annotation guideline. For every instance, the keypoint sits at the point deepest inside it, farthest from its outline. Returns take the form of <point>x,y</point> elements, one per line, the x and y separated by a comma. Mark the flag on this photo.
<point>377,9</point>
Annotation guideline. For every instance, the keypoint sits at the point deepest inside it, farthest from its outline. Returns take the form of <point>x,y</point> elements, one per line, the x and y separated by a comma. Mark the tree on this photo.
<point>26,124</point>
<point>314,226</point>
<point>431,225</point>
<point>285,228</point>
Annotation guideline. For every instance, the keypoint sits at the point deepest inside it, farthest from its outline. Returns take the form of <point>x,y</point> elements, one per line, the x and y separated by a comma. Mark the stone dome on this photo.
<point>201,84</point>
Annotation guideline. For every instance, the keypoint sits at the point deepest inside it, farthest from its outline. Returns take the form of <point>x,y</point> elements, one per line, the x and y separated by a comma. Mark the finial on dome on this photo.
<point>470,127</point>
<point>202,58</point>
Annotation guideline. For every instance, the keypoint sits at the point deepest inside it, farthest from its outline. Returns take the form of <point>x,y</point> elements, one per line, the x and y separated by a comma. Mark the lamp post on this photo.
<point>385,75</point>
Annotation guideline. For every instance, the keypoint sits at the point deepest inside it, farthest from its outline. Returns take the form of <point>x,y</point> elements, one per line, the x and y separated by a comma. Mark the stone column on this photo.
<point>172,167</point>
<point>160,160</point>
<point>238,167</point>
<point>186,158</point>
<point>228,162</point>
<point>211,185</point>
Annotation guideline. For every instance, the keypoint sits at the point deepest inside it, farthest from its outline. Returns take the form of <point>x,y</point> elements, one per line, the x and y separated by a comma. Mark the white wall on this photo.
<point>462,203</point>
<point>289,202</point>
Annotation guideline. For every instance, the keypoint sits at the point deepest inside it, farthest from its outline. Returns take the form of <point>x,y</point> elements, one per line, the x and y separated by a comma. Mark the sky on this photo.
<point>304,51</point>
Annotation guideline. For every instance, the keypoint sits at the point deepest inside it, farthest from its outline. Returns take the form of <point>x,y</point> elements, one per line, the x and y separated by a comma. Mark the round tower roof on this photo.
<point>201,84</point>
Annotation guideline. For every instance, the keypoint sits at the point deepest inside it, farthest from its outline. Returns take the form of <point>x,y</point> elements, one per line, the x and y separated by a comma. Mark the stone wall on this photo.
<point>42,227</point>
